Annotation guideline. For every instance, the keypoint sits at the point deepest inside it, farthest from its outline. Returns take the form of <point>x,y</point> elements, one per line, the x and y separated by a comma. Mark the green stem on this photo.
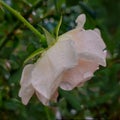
<point>22,19</point>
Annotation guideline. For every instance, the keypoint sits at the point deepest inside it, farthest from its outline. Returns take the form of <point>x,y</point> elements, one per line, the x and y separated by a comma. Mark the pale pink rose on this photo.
<point>70,62</point>
<point>41,77</point>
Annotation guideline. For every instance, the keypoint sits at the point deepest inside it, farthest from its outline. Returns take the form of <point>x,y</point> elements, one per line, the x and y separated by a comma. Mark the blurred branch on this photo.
<point>18,23</point>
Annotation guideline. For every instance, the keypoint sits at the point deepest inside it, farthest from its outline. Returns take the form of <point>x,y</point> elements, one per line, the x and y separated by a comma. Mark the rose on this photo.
<point>70,62</point>
<point>41,77</point>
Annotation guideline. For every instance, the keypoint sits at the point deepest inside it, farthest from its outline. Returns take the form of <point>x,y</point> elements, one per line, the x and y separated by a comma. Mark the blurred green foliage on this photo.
<point>99,98</point>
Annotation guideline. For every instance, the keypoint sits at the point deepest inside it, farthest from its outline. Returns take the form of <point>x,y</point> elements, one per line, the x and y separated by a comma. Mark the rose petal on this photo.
<point>43,99</point>
<point>79,74</point>
<point>48,68</point>
<point>46,101</point>
<point>89,45</point>
<point>63,54</point>
<point>81,19</point>
<point>27,89</point>
<point>97,31</point>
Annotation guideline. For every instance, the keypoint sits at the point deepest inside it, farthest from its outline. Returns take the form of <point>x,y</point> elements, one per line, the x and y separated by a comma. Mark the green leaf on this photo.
<point>37,52</point>
<point>71,98</point>
<point>50,39</point>
<point>58,27</point>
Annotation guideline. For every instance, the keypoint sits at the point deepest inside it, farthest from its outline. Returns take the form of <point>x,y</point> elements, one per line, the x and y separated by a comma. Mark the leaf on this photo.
<point>37,52</point>
<point>71,98</point>
<point>58,27</point>
<point>49,37</point>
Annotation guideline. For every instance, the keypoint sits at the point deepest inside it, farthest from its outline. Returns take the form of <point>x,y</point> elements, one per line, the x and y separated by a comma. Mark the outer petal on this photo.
<point>90,48</point>
<point>89,45</point>
<point>26,90</point>
<point>56,60</point>
<point>78,75</point>
<point>44,100</point>
<point>63,55</point>
<point>81,19</point>
<point>97,31</point>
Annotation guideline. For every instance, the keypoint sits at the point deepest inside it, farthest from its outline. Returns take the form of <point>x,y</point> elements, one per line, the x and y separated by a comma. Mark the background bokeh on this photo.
<point>99,98</point>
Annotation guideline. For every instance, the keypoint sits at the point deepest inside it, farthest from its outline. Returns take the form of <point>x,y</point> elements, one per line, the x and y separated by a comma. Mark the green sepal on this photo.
<point>58,28</point>
<point>35,53</point>
<point>49,38</point>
